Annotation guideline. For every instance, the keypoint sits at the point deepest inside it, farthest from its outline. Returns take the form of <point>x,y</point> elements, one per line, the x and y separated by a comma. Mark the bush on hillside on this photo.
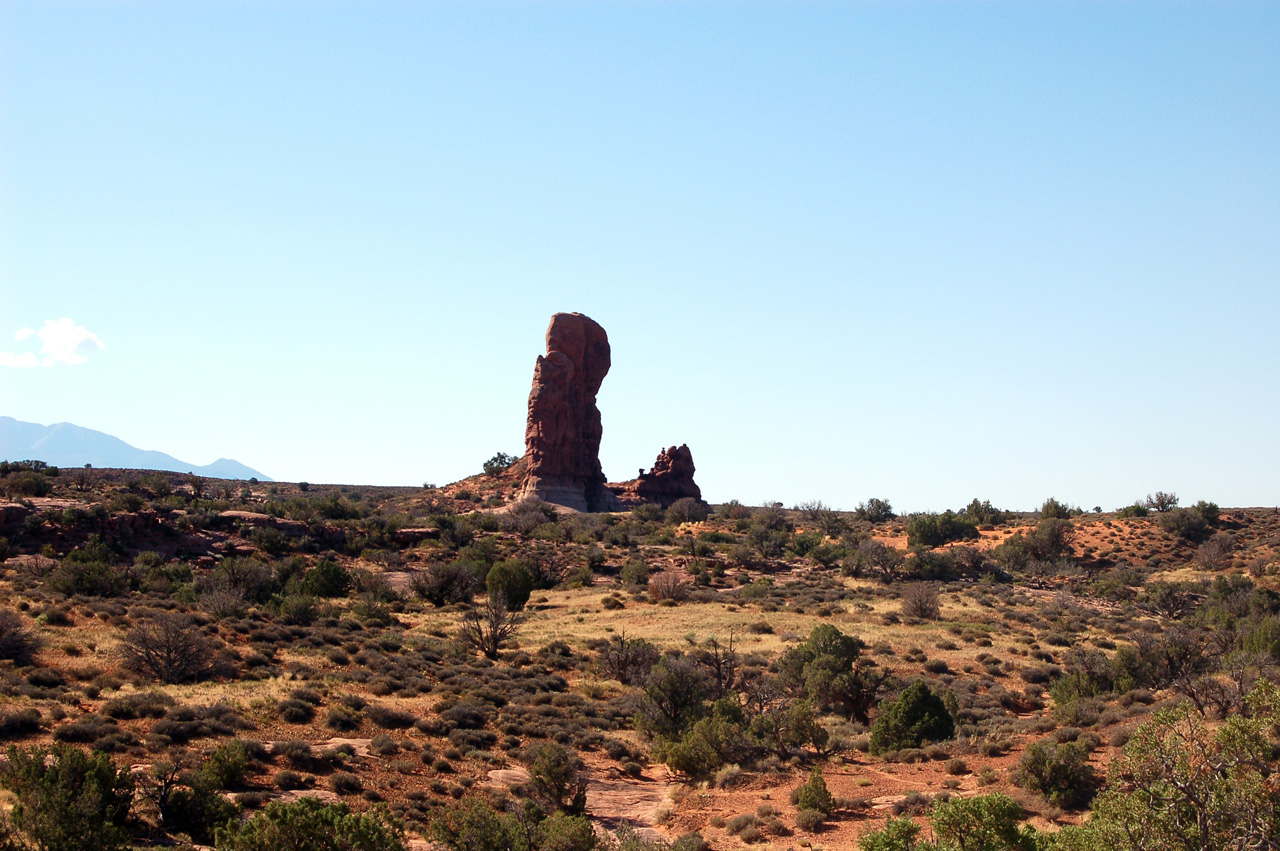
<point>917,716</point>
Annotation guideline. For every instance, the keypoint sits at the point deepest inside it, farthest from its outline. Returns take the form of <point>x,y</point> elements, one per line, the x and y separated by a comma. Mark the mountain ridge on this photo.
<point>69,445</point>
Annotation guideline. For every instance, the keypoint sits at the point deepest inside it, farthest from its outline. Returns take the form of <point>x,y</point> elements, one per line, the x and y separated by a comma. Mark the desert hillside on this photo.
<point>452,660</point>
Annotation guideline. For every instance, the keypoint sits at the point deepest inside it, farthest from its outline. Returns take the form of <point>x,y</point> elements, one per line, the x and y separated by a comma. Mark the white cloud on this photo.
<point>62,341</point>
<point>19,361</point>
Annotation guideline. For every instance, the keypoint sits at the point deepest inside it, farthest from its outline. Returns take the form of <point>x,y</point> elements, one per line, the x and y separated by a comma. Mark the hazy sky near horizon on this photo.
<point>919,251</point>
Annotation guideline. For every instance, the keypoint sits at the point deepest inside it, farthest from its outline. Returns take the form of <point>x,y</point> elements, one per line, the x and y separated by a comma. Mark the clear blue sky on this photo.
<point>920,251</point>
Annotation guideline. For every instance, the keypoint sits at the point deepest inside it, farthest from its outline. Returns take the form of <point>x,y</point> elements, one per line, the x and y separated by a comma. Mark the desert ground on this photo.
<point>311,641</point>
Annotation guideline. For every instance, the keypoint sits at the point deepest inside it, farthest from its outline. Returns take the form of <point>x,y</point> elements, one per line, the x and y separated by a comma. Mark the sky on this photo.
<point>924,252</point>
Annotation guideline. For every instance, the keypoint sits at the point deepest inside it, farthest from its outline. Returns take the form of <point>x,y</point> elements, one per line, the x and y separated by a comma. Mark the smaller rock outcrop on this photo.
<point>670,479</point>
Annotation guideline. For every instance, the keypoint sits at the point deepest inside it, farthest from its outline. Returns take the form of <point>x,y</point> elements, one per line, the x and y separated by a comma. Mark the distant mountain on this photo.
<point>67,445</point>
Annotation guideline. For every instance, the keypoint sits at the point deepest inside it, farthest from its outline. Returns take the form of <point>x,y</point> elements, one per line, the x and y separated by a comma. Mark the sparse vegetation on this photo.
<point>724,645</point>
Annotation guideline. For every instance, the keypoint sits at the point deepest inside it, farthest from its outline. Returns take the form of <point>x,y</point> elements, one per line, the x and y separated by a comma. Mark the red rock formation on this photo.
<point>562,433</point>
<point>670,479</point>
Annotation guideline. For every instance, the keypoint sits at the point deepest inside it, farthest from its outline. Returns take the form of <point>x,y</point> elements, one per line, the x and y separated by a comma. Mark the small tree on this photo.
<point>875,558</point>
<point>511,581</point>
<point>1161,501</point>
<point>1181,785</point>
<point>168,647</point>
<point>1054,510</point>
<point>498,463</point>
<point>875,511</point>
<point>17,642</point>
<point>829,669</point>
<point>769,531</point>
<point>487,627</point>
<point>67,799</point>
<point>1215,553</point>
<point>627,660</point>
<point>82,480</point>
<point>668,585</point>
<point>557,778</point>
<point>813,795</point>
<point>687,510</point>
<point>830,521</point>
<point>675,696</point>
<point>920,600</point>
<point>918,716</point>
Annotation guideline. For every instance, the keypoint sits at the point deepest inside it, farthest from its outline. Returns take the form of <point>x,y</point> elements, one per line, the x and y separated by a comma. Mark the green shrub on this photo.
<point>1054,510</point>
<point>1192,524</point>
<point>809,820</point>
<point>498,463</point>
<point>270,540</point>
<point>709,744</point>
<point>473,825</point>
<point>296,711</point>
<point>26,484</point>
<point>342,719</point>
<point>874,511</point>
<point>67,799</point>
<point>564,832</point>
<point>557,778</point>
<point>17,642</point>
<point>345,783</point>
<point>390,718</point>
<point>196,807</point>
<point>225,766</point>
<point>309,825</point>
<point>687,510</point>
<point>1049,541</point>
<point>298,610</point>
<point>898,834</point>
<point>986,822</point>
<point>634,574</point>
<point>442,583</point>
<point>918,716</point>
<point>813,795</point>
<point>1060,772</point>
<point>327,579</point>
<point>984,513</point>
<point>512,580</point>
<point>90,578</point>
<point>829,669</point>
<point>934,530</point>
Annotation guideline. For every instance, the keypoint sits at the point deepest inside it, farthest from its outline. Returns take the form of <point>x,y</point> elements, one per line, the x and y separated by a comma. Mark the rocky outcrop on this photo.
<point>13,513</point>
<point>670,479</point>
<point>562,432</point>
